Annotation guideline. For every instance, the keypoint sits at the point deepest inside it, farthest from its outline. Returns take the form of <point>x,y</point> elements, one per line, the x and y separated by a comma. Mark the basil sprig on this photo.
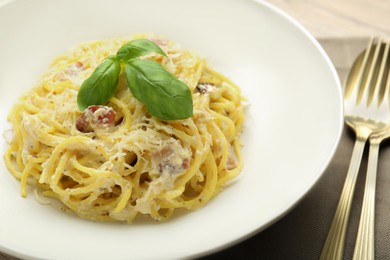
<point>165,96</point>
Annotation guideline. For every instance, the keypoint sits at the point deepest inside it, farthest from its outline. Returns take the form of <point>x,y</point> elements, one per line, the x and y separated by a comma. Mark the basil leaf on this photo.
<point>101,85</point>
<point>165,96</point>
<point>137,48</point>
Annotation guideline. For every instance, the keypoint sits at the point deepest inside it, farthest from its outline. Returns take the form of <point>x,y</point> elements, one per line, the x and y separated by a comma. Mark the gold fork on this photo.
<point>367,112</point>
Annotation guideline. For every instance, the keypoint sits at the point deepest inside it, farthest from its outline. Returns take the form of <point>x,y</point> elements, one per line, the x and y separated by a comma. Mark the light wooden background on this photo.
<point>345,24</point>
<point>340,18</point>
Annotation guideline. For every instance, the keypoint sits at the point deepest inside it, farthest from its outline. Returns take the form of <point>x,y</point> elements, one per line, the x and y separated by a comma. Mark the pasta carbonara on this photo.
<point>115,161</point>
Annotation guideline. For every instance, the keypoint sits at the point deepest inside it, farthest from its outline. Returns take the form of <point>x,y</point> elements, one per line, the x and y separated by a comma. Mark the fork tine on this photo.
<point>357,84</point>
<point>369,83</point>
<point>357,76</point>
<point>383,82</point>
<point>387,57</point>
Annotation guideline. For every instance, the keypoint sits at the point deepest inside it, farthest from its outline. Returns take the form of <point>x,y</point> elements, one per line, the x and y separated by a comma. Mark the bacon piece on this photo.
<point>71,71</point>
<point>160,42</point>
<point>74,69</point>
<point>203,88</point>
<point>185,164</point>
<point>83,125</point>
<point>165,151</point>
<point>171,167</point>
<point>79,65</point>
<point>167,166</point>
<point>96,116</point>
<point>232,161</point>
<point>170,162</point>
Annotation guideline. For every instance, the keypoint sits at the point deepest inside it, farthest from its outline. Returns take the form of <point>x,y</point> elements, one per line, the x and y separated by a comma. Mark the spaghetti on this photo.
<point>138,164</point>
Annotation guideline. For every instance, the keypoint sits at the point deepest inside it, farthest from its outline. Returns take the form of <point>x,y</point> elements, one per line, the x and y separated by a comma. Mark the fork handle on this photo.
<point>364,248</point>
<point>334,244</point>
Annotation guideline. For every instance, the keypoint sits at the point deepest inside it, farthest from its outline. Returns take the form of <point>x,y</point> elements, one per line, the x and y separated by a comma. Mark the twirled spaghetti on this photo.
<point>140,164</point>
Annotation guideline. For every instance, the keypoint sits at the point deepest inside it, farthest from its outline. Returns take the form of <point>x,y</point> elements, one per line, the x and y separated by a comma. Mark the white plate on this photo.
<point>292,128</point>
